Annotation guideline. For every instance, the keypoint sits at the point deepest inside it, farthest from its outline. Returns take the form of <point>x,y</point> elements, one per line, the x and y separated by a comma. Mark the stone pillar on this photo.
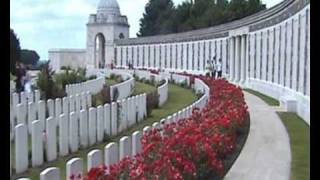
<point>237,58</point>
<point>243,59</point>
<point>231,58</point>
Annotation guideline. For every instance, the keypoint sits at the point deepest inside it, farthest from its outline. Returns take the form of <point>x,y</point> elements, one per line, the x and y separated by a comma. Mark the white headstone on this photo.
<point>37,144</point>
<point>156,125</point>
<point>51,130</point>
<point>21,116</point>
<point>51,173</point>
<point>21,143</point>
<point>71,104</point>
<point>92,126</point>
<point>89,101</point>
<point>114,124</point>
<point>136,143</point>
<point>15,102</point>
<point>124,147</point>
<point>146,129</point>
<point>74,168</point>
<point>94,159</point>
<point>73,132</point>
<point>78,105</point>
<point>63,135</point>
<point>42,113</point>
<point>31,114</point>
<point>50,105</point>
<point>83,128</point>
<point>36,96</point>
<point>100,124</point>
<point>58,109</point>
<point>111,154</point>
<point>65,106</point>
<point>83,101</point>
<point>107,119</point>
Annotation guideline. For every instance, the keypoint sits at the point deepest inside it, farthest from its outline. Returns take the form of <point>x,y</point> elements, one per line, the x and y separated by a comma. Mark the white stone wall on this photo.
<point>67,57</point>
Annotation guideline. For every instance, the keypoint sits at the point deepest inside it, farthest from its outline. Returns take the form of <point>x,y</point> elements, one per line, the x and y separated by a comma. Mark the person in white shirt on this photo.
<point>209,68</point>
<point>219,68</point>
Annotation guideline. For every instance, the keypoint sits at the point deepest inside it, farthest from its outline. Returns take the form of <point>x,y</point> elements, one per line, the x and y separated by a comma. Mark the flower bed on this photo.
<point>192,148</point>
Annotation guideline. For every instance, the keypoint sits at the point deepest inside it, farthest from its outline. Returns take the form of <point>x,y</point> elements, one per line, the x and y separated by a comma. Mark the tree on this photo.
<point>161,17</point>
<point>157,18</point>
<point>14,51</point>
<point>29,57</point>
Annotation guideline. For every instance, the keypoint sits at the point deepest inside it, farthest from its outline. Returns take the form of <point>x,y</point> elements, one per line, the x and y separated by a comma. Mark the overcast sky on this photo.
<point>46,24</point>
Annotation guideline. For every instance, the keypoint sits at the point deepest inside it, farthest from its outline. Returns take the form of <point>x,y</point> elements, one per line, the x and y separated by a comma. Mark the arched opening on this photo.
<point>99,50</point>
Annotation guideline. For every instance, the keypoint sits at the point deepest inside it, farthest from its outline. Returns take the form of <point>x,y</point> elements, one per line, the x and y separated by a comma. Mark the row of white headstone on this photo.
<point>113,152</point>
<point>79,129</point>
<point>93,86</point>
<point>27,111</point>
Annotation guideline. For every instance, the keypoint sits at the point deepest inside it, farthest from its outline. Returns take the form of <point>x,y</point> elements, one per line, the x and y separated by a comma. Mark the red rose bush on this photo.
<point>191,148</point>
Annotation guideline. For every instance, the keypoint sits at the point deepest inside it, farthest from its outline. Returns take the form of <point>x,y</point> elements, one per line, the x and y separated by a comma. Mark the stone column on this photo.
<point>237,59</point>
<point>231,58</point>
<point>243,59</point>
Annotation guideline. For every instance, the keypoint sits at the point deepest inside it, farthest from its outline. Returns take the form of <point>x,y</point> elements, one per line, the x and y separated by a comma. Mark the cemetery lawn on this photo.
<point>111,82</point>
<point>178,98</point>
<point>269,100</point>
<point>299,134</point>
<point>142,88</point>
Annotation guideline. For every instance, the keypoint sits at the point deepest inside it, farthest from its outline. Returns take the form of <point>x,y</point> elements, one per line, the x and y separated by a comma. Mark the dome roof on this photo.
<point>108,7</point>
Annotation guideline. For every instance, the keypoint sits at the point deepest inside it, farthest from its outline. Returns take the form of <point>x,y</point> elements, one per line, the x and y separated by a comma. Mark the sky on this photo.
<point>46,24</point>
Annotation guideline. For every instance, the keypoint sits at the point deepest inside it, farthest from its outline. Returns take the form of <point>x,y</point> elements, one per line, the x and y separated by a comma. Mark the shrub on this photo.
<point>92,77</point>
<point>102,97</point>
<point>152,102</point>
<point>48,88</point>
<point>70,76</point>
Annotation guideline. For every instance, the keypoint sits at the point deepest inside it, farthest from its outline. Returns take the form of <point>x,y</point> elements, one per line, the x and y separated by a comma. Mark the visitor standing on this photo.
<point>209,68</point>
<point>219,68</point>
<point>213,67</point>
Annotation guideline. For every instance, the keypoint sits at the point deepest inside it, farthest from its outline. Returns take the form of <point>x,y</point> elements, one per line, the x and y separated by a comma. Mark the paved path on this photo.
<point>266,154</point>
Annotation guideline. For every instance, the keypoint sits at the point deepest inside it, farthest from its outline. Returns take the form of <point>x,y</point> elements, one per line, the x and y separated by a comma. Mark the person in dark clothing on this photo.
<point>213,67</point>
<point>219,68</point>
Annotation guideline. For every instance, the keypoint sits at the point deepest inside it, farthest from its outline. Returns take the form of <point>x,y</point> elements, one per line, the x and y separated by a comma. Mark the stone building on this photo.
<point>103,29</point>
<point>268,51</point>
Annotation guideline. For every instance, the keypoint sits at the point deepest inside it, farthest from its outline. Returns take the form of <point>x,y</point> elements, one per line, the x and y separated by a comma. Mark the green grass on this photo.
<point>178,98</point>
<point>142,88</point>
<point>269,100</point>
<point>299,133</point>
<point>111,82</point>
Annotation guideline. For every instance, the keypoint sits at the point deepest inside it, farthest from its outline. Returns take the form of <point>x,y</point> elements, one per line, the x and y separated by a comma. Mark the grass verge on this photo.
<point>299,133</point>
<point>178,98</point>
<point>269,100</point>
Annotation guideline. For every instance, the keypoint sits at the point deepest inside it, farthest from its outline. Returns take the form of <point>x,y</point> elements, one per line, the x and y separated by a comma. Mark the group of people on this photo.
<point>214,68</point>
<point>23,80</point>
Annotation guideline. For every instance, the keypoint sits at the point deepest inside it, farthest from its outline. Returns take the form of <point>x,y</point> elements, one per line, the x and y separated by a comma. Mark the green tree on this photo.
<point>161,17</point>
<point>157,18</point>
<point>29,57</point>
<point>14,51</point>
